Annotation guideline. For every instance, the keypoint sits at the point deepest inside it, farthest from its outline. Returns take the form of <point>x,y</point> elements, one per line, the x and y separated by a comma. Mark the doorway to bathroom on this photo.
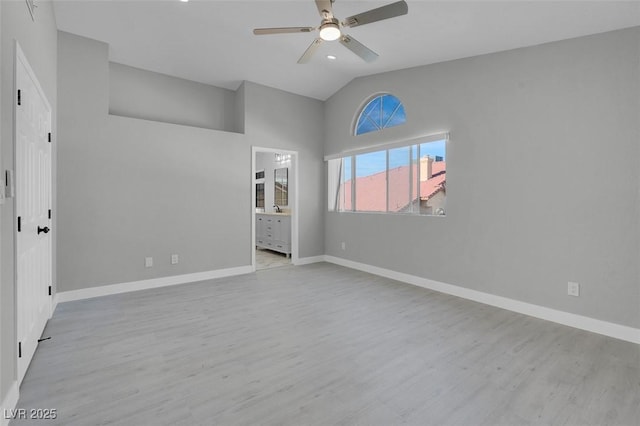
<point>274,200</point>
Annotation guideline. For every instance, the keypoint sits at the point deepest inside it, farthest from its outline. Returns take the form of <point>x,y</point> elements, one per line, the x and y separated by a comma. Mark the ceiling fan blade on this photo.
<point>325,9</point>
<point>358,48</point>
<point>374,15</point>
<point>283,30</point>
<point>306,56</point>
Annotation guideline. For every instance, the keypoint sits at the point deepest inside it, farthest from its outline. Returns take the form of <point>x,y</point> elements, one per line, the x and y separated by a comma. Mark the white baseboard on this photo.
<point>606,328</point>
<point>87,293</point>
<point>309,260</point>
<point>9,403</point>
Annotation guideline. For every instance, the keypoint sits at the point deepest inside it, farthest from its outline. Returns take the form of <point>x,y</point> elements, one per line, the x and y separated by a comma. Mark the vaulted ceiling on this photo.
<point>212,41</point>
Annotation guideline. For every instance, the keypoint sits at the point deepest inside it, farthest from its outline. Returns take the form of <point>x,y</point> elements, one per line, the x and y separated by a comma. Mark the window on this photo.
<point>408,179</point>
<point>381,112</point>
<point>260,195</point>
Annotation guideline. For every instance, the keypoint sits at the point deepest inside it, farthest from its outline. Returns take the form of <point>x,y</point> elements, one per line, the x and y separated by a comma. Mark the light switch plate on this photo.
<point>9,184</point>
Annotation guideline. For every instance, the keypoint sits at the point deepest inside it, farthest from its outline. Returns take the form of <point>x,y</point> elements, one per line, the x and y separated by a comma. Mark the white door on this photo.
<point>33,204</point>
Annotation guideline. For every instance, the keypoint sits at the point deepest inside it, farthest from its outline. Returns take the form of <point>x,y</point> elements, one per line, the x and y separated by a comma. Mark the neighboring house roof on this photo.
<point>371,197</point>
<point>431,187</point>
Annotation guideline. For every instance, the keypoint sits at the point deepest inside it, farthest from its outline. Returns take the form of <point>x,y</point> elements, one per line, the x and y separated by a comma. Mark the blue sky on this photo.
<point>374,162</point>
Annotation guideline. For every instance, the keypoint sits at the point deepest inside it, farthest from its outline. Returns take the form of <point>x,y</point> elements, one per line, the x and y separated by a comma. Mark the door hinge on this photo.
<point>49,136</point>
<point>19,224</point>
<point>19,349</point>
<point>49,290</point>
<point>49,213</point>
<point>19,97</point>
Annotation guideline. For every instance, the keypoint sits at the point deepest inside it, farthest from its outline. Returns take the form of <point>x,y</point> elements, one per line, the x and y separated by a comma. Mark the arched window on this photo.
<point>381,112</point>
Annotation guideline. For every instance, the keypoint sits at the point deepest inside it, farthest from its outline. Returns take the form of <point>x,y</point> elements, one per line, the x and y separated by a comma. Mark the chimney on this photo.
<point>426,168</point>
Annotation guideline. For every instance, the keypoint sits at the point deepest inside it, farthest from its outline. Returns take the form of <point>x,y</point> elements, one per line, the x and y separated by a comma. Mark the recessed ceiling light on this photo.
<point>184,1</point>
<point>332,57</point>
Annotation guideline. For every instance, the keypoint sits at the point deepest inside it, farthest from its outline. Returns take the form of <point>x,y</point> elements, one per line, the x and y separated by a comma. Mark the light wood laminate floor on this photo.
<point>322,345</point>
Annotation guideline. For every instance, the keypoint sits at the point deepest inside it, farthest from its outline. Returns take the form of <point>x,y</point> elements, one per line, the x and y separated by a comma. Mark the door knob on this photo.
<point>45,230</point>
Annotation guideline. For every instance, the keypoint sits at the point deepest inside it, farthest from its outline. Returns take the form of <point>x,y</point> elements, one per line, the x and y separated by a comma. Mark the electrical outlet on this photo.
<point>174,259</point>
<point>148,262</point>
<point>573,289</point>
<point>344,245</point>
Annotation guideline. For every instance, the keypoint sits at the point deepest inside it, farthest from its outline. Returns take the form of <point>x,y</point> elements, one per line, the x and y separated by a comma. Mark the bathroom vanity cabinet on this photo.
<point>273,232</point>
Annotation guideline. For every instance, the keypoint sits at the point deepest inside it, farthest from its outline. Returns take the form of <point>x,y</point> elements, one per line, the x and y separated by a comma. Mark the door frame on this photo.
<point>296,202</point>
<point>20,57</point>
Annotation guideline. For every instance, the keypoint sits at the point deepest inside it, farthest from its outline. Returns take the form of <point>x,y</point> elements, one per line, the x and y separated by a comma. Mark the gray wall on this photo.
<point>38,41</point>
<point>2,280</point>
<point>239,105</point>
<point>131,188</point>
<point>542,174</point>
<point>138,93</point>
<point>277,119</point>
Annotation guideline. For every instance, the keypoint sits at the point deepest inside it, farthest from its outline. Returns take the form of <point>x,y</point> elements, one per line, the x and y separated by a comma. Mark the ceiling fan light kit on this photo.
<point>330,28</point>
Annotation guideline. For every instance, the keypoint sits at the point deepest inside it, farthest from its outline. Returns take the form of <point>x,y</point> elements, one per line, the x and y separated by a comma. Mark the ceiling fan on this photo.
<point>330,28</point>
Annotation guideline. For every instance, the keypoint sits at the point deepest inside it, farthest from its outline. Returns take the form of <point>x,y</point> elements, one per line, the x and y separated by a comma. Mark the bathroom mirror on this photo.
<point>281,185</point>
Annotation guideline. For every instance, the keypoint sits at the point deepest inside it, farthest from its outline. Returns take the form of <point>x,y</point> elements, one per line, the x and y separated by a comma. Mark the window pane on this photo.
<point>370,118</point>
<point>390,106</point>
<point>371,182</point>
<point>372,110</point>
<point>397,118</point>
<point>365,126</point>
<point>399,180</point>
<point>433,178</point>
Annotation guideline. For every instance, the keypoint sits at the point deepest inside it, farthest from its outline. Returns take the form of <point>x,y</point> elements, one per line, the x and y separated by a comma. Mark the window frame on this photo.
<point>351,154</point>
<point>366,104</point>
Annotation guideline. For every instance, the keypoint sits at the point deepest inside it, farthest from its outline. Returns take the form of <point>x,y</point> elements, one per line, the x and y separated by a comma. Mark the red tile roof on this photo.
<point>370,194</point>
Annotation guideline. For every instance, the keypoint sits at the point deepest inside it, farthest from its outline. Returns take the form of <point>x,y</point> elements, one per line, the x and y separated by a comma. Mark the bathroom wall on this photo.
<point>266,161</point>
